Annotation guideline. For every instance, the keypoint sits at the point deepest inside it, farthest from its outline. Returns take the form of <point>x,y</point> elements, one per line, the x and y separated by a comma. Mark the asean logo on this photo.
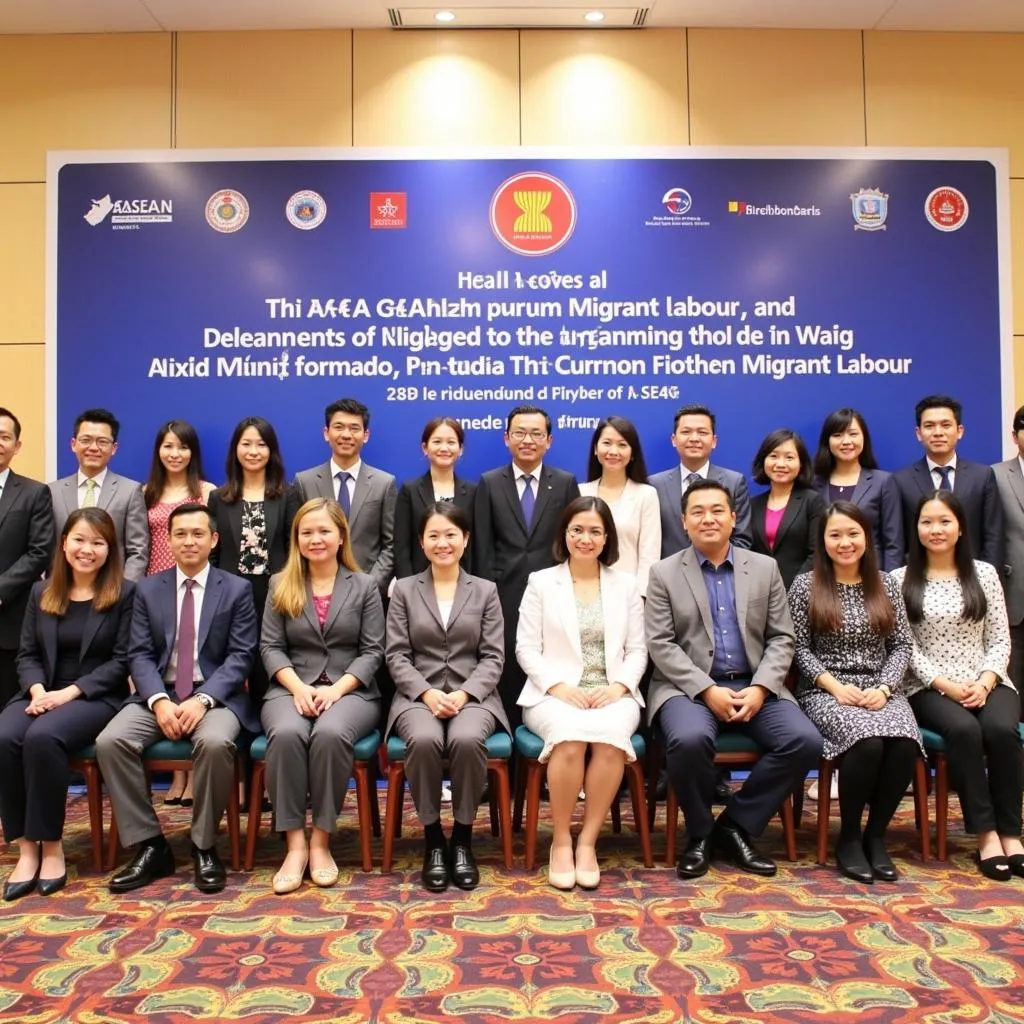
<point>533,213</point>
<point>946,208</point>
<point>227,211</point>
<point>306,210</point>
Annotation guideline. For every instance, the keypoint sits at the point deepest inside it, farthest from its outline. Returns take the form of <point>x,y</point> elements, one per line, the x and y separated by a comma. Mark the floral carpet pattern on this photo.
<point>941,946</point>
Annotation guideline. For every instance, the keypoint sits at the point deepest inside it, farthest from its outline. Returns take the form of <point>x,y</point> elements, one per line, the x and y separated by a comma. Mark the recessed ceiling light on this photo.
<point>444,16</point>
<point>593,16</point>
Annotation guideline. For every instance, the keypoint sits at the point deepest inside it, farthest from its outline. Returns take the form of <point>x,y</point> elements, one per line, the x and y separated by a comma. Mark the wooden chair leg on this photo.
<point>94,796</point>
<point>788,827</point>
<point>653,770</point>
<point>234,813</point>
<point>500,782</point>
<point>393,811</point>
<point>941,806</point>
<point>492,796</point>
<point>534,776</point>
<point>824,807</point>
<point>520,786</point>
<point>255,817</point>
<point>372,768</point>
<point>616,815</point>
<point>798,804</point>
<point>921,807</point>
<point>363,797</point>
<point>635,775</point>
<point>671,824</point>
<point>112,841</point>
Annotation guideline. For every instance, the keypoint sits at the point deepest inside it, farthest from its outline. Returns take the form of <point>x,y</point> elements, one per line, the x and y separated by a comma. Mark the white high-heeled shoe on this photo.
<point>563,880</point>
<point>288,882</point>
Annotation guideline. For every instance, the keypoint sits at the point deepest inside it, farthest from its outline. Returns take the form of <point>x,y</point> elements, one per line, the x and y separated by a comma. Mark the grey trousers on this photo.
<point>119,751</point>
<point>461,739</point>
<point>312,756</point>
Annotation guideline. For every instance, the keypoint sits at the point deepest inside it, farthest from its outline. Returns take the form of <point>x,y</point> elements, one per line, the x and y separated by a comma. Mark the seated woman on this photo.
<point>852,649</point>
<point>73,667</point>
<point>958,683</point>
<point>784,519</point>
<point>445,652</point>
<point>581,644</point>
<point>322,643</point>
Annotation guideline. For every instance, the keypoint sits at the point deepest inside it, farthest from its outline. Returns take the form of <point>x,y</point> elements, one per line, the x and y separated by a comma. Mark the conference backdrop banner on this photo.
<point>771,285</point>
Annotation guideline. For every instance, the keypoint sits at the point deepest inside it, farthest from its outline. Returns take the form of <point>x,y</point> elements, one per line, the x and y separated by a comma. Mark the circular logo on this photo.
<point>227,211</point>
<point>306,210</point>
<point>946,208</point>
<point>533,213</point>
<point>677,201</point>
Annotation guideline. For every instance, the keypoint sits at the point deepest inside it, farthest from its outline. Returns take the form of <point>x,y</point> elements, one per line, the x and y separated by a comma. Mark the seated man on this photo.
<point>721,639</point>
<point>192,644</point>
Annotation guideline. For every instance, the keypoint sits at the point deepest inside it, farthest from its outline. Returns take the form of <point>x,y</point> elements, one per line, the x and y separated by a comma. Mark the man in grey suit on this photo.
<point>192,646</point>
<point>366,495</point>
<point>721,638</point>
<point>95,444</point>
<point>694,439</point>
<point>1010,482</point>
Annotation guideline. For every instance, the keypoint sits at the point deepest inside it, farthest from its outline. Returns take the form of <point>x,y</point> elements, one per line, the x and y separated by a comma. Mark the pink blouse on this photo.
<point>772,522</point>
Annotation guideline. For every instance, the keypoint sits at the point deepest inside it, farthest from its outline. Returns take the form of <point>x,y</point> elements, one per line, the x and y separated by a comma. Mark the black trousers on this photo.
<point>9,686</point>
<point>34,773</point>
<point>1016,668</point>
<point>989,801</point>
<point>875,773</point>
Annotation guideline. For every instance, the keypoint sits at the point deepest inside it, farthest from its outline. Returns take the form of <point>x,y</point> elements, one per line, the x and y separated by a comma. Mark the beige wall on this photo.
<point>382,88</point>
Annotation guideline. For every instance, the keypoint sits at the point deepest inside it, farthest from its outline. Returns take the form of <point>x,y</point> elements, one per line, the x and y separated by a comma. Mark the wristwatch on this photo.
<point>884,688</point>
<point>205,699</point>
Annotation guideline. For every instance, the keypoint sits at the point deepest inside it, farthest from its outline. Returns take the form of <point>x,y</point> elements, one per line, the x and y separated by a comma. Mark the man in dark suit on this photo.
<point>95,444</point>
<point>27,540</point>
<point>721,638</point>
<point>515,516</point>
<point>366,495</point>
<point>193,644</point>
<point>939,428</point>
<point>694,439</point>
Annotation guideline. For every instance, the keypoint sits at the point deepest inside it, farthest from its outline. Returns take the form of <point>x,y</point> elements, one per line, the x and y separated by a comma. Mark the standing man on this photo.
<point>366,495</point>
<point>1010,483</point>
<point>515,515</point>
<point>694,439</point>
<point>193,644</point>
<point>27,539</point>
<point>721,639</point>
<point>95,444</point>
<point>939,428</point>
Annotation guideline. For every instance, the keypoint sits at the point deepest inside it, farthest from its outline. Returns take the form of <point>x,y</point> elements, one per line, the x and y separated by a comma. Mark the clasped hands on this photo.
<point>445,705</point>
<point>971,693</point>
<point>178,720</point>
<point>871,699</point>
<point>728,705</point>
<point>592,697</point>
<point>313,701</point>
<point>46,700</point>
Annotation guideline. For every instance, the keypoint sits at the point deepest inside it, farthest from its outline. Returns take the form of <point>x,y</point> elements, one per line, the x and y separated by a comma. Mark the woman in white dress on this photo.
<point>958,683</point>
<point>618,475</point>
<point>581,644</point>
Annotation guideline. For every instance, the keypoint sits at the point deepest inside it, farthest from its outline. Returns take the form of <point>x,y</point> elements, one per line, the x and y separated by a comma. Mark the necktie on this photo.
<point>184,676</point>
<point>691,477</point>
<point>944,472</point>
<point>528,500</point>
<point>343,499</point>
<point>89,501</point>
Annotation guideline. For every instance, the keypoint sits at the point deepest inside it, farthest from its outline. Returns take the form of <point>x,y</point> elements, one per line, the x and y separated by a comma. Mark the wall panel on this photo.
<point>22,262</point>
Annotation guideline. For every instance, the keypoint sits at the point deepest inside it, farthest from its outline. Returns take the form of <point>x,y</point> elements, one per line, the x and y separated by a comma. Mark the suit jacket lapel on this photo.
<point>511,492</point>
<point>210,601</point>
<point>169,599</point>
<point>107,492</point>
<point>567,606</point>
<point>695,580</point>
<point>793,506</point>
<point>9,495</point>
<point>338,597</point>
<point>234,511</point>
<point>69,494</point>
<point>309,609</point>
<point>924,477</point>
<point>425,588</point>
<point>360,491</point>
<point>48,626</point>
<point>425,489</point>
<point>741,583</point>
<point>860,489</point>
<point>463,592</point>
<point>543,497</point>
<point>325,481</point>
<point>272,508</point>
<point>92,625</point>
<point>1013,474</point>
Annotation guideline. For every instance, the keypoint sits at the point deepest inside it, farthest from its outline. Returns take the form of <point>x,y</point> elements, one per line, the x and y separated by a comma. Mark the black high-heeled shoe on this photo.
<point>996,867</point>
<point>15,890</point>
<point>1016,862</point>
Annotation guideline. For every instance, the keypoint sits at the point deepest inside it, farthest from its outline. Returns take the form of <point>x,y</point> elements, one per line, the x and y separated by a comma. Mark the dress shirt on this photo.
<point>720,583</point>
<point>685,474</point>
<point>521,475</point>
<point>198,590</point>
<point>933,468</point>
<point>1020,462</point>
<point>3,478</point>
<point>353,472</point>
<point>97,479</point>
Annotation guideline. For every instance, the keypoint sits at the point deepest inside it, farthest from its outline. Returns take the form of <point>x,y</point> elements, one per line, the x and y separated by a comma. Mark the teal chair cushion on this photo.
<point>364,749</point>
<point>258,748</point>
<point>933,741</point>
<point>530,745</point>
<point>85,753</point>
<point>735,743</point>
<point>499,744</point>
<point>169,750</point>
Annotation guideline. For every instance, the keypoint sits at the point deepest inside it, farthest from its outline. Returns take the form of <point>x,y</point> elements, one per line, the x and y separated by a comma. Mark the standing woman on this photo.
<point>254,512</point>
<point>845,470</point>
<point>445,652</point>
<point>580,642</point>
<point>785,518</point>
<point>73,668</point>
<point>175,477</point>
<point>958,683</point>
<point>442,442</point>
<point>853,645</point>
<point>323,641</point>
<point>617,474</point>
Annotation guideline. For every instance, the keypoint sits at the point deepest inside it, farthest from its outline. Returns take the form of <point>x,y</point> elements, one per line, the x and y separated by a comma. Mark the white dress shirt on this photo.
<point>353,472</point>
<point>97,479</point>
<point>521,475</point>
<point>685,474</point>
<point>198,591</point>
<point>933,468</point>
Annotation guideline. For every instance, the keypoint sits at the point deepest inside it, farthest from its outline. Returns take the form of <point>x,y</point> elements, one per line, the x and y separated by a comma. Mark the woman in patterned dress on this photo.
<point>254,512</point>
<point>580,642</point>
<point>853,645</point>
<point>175,477</point>
<point>958,683</point>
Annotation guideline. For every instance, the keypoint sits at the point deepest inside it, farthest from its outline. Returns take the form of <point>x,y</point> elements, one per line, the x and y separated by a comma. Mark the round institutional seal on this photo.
<point>227,211</point>
<point>533,213</point>
<point>306,210</point>
<point>946,208</point>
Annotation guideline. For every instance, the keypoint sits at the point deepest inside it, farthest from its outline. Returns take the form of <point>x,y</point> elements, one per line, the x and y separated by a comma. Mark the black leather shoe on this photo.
<point>465,873</point>
<point>998,867</point>
<point>882,866</point>
<point>853,862</point>
<point>15,890</point>
<point>723,791</point>
<point>1016,863</point>
<point>661,789</point>
<point>152,860</point>
<point>696,858</point>
<point>48,886</point>
<point>210,875</point>
<point>735,844</point>
<point>435,869</point>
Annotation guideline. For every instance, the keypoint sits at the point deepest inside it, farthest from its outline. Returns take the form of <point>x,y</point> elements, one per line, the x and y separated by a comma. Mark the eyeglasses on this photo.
<point>576,532</point>
<point>103,443</point>
<point>533,435</point>
<point>345,428</point>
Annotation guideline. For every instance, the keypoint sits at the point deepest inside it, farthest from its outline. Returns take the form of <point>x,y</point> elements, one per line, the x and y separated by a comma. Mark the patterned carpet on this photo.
<point>943,945</point>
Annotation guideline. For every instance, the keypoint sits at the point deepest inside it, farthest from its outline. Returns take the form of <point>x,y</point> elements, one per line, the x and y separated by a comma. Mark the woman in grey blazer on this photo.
<point>322,643</point>
<point>445,653</point>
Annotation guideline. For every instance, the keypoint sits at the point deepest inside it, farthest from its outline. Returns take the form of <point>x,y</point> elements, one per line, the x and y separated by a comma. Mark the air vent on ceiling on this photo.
<point>518,17</point>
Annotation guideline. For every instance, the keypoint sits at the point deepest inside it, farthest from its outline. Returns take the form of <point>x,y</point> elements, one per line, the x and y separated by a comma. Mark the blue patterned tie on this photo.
<point>528,500</point>
<point>343,499</point>
<point>944,472</point>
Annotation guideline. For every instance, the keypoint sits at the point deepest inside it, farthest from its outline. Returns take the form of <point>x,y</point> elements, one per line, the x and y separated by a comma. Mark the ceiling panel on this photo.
<point>837,14</point>
<point>30,17</point>
<point>956,16</point>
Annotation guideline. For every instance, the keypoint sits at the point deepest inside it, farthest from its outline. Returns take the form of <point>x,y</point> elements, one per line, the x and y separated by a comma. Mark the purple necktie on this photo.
<point>944,472</point>
<point>343,499</point>
<point>184,676</point>
<point>528,499</point>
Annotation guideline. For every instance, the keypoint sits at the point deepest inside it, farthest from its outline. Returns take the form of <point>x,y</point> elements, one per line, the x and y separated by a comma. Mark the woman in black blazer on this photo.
<point>73,669</point>
<point>784,519</point>
<point>254,512</point>
<point>442,442</point>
